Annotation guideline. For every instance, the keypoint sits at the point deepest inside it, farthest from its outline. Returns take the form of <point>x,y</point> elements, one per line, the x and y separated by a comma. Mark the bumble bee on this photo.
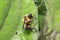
<point>27,22</point>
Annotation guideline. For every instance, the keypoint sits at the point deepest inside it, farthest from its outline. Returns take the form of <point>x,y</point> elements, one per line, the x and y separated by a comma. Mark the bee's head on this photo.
<point>30,16</point>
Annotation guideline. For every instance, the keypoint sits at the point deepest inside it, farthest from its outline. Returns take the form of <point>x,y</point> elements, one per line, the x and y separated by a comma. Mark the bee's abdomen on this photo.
<point>29,28</point>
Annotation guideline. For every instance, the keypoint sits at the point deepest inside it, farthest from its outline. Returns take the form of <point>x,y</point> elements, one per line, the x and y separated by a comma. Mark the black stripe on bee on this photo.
<point>27,22</point>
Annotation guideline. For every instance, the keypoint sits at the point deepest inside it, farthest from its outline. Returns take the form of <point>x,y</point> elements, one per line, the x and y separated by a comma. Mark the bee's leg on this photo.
<point>24,25</point>
<point>33,29</point>
<point>29,28</point>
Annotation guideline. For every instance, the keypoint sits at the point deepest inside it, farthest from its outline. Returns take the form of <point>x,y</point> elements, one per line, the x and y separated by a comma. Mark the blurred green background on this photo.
<point>47,13</point>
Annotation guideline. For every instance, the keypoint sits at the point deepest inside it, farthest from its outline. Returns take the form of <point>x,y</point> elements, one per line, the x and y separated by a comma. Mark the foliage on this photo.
<point>46,13</point>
